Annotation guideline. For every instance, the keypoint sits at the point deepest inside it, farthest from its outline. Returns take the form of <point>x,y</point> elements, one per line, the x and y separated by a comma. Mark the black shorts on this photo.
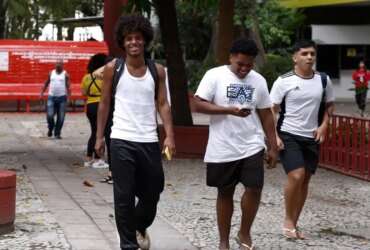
<point>249,171</point>
<point>299,152</point>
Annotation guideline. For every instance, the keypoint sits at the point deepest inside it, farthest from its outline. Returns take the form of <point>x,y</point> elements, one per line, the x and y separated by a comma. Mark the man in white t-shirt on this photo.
<point>58,82</point>
<point>238,101</point>
<point>299,95</point>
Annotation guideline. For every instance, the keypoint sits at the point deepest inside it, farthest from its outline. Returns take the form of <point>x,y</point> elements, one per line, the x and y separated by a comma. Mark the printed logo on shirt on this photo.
<point>239,93</point>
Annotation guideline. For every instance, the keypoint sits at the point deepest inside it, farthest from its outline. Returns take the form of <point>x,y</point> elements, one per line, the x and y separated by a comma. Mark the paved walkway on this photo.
<point>56,211</point>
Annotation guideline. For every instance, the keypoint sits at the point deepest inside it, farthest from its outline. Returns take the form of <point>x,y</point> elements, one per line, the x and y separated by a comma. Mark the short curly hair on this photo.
<point>133,23</point>
<point>244,46</point>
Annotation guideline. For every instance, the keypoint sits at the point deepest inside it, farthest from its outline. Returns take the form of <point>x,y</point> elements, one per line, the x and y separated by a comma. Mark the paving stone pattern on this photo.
<point>336,216</point>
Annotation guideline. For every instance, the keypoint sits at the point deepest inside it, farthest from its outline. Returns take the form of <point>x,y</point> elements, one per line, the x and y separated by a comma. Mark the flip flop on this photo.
<point>292,231</point>
<point>300,234</point>
<point>243,244</point>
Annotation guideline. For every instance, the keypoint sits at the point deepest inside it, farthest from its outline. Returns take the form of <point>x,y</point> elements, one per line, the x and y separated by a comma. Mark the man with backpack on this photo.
<point>133,91</point>
<point>304,99</point>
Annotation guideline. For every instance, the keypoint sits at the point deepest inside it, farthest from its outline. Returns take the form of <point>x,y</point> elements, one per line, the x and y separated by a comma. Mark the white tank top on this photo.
<point>57,86</point>
<point>134,117</point>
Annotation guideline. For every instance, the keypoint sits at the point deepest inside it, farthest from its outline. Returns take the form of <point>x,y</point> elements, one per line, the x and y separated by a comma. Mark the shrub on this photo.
<point>275,66</point>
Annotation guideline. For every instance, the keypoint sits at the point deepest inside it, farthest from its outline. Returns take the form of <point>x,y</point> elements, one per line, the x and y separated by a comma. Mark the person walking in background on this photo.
<point>304,99</point>
<point>134,89</point>
<point>238,101</point>
<point>91,87</point>
<point>58,80</point>
<point>361,78</point>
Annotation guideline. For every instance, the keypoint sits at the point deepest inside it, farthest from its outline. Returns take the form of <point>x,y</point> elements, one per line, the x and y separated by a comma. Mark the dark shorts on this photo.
<point>249,171</point>
<point>299,152</point>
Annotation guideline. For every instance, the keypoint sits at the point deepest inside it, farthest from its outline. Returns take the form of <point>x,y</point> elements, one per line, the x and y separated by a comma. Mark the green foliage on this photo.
<point>195,26</point>
<point>24,18</point>
<point>195,71</point>
<point>139,6</point>
<point>275,66</point>
<point>277,24</point>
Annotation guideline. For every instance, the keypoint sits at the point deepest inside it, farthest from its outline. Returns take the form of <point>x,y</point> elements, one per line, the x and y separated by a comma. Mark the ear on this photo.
<point>294,58</point>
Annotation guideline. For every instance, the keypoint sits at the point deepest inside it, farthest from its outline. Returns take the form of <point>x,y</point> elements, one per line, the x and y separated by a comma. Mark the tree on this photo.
<point>225,34</point>
<point>166,12</point>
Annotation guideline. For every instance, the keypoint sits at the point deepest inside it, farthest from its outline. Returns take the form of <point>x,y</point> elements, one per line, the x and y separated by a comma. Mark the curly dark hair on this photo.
<point>96,61</point>
<point>133,23</point>
<point>244,46</point>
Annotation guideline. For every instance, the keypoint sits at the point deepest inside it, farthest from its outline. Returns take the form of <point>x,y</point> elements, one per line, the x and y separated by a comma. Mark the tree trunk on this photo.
<point>225,30</point>
<point>3,7</point>
<point>112,11</point>
<point>210,57</point>
<point>59,31</point>
<point>176,67</point>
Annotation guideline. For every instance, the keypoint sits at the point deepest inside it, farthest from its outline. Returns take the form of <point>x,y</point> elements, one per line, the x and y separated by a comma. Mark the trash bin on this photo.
<point>7,201</point>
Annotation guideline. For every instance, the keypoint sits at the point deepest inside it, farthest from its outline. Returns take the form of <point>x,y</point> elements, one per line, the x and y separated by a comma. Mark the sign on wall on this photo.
<point>4,61</point>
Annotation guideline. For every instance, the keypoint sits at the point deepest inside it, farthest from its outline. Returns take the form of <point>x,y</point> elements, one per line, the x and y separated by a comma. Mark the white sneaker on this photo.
<point>99,164</point>
<point>88,164</point>
<point>143,241</point>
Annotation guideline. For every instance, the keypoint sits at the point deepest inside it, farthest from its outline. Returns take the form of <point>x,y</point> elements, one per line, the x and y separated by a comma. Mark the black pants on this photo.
<point>361,99</point>
<point>137,172</point>
<point>92,115</point>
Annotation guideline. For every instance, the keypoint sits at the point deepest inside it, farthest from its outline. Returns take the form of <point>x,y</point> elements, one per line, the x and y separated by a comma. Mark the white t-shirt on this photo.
<point>57,85</point>
<point>302,102</point>
<point>230,137</point>
<point>134,117</point>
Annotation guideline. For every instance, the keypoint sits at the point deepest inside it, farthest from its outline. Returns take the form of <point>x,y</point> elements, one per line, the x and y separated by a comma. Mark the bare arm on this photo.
<point>268,123</point>
<point>320,133</point>
<point>46,84</point>
<point>164,110</point>
<point>275,111</point>
<point>104,107</point>
<point>206,107</point>
<point>67,85</point>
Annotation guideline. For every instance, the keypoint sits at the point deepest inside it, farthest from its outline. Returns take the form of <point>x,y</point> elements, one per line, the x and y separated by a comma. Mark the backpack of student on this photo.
<point>324,82</point>
<point>119,68</point>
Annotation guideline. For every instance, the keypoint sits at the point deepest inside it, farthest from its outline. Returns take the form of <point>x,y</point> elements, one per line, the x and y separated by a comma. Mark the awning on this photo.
<point>312,3</point>
<point>341,34</point>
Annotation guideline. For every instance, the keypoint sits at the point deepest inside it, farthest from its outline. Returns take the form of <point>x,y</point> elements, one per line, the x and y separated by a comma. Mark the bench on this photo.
<point>31,92</point>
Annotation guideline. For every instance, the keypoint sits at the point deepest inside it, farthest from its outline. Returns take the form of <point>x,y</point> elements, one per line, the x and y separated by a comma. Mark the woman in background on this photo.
<point>91,87</point>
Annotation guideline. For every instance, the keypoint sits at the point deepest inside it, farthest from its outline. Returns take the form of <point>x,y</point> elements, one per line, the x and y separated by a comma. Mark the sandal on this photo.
<point>251,247</point>
<point>293,231</point>
<point>300,235</point>
<point>107,179</point>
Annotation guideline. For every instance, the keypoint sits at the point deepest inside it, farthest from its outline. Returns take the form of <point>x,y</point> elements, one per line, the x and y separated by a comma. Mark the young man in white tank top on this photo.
<point>135,153</point>
<point>57,98</point>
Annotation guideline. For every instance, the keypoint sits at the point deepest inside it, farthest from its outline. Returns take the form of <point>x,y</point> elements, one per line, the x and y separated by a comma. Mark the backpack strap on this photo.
<point>96,85</point>
<point>154,72</point>
<point>119,67</point>
<point>324,82</point>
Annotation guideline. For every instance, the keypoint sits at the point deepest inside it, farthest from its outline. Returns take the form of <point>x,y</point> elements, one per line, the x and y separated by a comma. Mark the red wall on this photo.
<point>31,61</point>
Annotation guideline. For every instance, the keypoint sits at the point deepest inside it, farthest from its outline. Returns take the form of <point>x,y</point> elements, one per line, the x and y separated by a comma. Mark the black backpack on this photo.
<point>322,107</point>
<point>118,71</point>
<point>324,82</point>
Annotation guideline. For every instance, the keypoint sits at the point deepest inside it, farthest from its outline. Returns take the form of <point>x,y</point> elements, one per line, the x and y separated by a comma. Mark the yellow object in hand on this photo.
<point>167,153</point>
